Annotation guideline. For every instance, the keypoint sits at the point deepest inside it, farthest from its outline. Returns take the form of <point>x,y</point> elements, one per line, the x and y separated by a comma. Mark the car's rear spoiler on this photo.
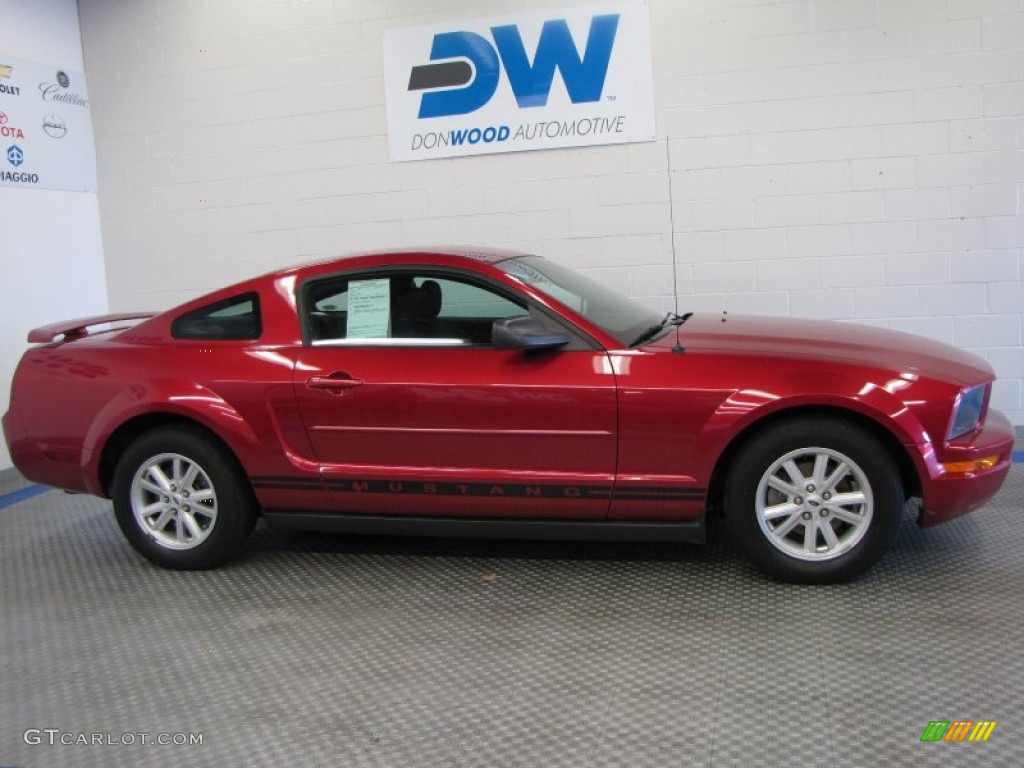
<point>71,329</point>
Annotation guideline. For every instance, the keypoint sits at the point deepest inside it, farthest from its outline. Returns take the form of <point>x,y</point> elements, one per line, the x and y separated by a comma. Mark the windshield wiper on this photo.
<point>671,318</point>
<point>651,331</point>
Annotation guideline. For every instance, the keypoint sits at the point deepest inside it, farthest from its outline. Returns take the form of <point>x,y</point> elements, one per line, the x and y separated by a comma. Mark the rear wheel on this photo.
<point>814,500</point>
<point>181,500</point>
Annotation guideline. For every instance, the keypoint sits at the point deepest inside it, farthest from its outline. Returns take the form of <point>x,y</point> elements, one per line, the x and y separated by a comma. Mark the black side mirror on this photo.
<point>525,333</point>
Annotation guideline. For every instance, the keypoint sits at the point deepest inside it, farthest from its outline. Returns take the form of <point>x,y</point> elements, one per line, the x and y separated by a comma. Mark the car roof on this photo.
<point>480,254</point>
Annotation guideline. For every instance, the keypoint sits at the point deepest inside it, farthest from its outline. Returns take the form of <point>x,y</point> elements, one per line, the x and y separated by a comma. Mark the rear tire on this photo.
<point>814,500</point>
<point>181,500</point>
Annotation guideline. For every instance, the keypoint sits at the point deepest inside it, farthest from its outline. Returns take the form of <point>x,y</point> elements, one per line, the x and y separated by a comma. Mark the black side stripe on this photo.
<point>271,482</point>
<point>450,488</point>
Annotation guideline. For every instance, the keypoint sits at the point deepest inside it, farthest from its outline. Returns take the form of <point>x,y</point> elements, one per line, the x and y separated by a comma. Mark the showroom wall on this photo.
<point>849,159</point>
<point>51,254</point>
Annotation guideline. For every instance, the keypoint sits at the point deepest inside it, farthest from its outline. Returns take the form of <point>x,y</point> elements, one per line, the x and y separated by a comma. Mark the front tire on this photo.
<point>814,500</point>
<point>181,500</point>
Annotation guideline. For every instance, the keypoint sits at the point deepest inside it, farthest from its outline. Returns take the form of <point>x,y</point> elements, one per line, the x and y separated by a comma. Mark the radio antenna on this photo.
<point>672,223</point>
<point>678,321</point>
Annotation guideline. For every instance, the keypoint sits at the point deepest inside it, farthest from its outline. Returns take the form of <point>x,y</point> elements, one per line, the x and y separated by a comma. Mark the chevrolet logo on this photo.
<point>6,70</point>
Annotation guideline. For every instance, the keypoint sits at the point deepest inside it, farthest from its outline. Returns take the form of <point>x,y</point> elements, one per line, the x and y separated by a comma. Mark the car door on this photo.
<point>412,411</point>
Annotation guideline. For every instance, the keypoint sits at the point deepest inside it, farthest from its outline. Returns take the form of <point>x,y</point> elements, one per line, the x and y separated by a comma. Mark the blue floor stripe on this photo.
<point>21,494</point>
<point>1018,457</point>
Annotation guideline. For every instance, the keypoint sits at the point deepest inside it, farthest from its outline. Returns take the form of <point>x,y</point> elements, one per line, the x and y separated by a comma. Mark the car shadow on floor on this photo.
<point>913,547</point>
<point>267,540</point>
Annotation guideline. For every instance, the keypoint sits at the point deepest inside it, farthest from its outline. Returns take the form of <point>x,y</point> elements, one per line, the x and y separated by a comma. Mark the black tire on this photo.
<point>782,527</point>
<point>198,525</point>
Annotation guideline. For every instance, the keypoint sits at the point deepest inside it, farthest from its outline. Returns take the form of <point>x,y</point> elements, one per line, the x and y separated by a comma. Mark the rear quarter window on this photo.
<point>233,319</point>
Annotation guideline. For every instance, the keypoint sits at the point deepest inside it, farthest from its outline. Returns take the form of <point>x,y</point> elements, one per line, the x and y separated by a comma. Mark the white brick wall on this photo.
<point>845,159</point>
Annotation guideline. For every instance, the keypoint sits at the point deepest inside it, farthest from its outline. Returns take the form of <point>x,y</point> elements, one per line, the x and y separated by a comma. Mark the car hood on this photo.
<point>842,343</point>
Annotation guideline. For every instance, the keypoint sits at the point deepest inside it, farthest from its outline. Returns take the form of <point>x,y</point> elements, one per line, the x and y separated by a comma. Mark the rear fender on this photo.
<point>179,397</point>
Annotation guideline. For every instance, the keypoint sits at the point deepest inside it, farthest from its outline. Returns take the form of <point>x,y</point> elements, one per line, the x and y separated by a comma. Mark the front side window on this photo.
<point>233,319</point>
<point>406,309</point>
<point>622,318</point>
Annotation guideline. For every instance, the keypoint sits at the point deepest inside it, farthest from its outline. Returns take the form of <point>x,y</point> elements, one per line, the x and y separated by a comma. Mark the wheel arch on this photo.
<point>150,404</point>
<point>897,451</point>
<point>132,429</point>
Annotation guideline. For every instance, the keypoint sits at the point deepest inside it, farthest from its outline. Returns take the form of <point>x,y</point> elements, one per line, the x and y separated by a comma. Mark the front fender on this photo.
<point>877,402</point>
<point>887,411</point>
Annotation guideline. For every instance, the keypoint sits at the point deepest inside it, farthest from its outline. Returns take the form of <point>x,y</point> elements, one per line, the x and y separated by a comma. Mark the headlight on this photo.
<point>968,411</point>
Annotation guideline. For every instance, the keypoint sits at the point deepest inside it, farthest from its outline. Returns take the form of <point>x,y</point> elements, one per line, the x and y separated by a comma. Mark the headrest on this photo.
<point>431,298</point>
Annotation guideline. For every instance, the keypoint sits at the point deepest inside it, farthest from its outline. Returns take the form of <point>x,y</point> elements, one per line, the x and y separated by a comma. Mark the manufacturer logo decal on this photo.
<point>54,125</point>
<point>7,72</point>
<point>15,156</point>
<point>58,92</point>
<point>8,131</point>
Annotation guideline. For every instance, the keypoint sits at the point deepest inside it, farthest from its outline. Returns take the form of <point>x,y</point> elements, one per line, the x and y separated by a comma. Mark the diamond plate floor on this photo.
<point>333,651</point>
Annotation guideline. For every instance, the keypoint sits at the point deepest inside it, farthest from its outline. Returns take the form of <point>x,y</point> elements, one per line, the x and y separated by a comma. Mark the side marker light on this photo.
<point>977,465</point>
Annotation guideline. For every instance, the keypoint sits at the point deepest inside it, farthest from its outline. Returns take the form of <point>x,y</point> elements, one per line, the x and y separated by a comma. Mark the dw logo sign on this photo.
<point>473,63</point>
<point>533,81</point>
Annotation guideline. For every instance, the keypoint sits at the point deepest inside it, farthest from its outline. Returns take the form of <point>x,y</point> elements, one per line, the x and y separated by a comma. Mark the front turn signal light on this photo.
<point>977,465</point>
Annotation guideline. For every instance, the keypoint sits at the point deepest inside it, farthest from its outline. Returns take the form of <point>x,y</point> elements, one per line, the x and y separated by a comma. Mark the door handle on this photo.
<point>337,380</point>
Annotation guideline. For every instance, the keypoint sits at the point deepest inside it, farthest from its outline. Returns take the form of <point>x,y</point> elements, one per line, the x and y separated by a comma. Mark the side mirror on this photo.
<point>525,333</point>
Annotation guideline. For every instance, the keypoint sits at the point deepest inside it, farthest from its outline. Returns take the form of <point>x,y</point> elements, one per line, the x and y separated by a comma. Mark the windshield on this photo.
<point>613,313</point>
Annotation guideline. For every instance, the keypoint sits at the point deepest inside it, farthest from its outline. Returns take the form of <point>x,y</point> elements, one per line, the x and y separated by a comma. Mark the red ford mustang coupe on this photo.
<point>480,392</point>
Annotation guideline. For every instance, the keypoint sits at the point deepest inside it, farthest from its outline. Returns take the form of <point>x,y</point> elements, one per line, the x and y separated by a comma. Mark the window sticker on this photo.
<point>369,305</point>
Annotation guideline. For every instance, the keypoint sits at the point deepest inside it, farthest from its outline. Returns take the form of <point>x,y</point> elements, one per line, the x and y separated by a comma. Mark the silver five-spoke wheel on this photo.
<point>814,498</point>
<point>181,498</point>
<point>174,501</point>
<point>814,503</point>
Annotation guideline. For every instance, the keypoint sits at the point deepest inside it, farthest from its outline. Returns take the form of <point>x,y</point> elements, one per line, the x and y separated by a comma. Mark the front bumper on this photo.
<point>947,495</point>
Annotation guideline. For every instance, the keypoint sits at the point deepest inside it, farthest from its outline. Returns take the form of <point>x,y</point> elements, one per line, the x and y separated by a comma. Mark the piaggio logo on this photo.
<point>958,730</point>
<point>15,156</point>
<point>468,67</point>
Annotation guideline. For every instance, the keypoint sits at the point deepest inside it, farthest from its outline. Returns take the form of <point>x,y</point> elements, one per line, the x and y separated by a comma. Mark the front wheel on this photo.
<point>181,500</point>
<point>814,500</point>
